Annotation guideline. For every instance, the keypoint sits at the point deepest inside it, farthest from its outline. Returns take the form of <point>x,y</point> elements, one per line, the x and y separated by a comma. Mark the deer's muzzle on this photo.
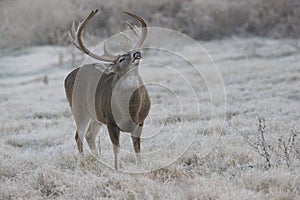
<point>137,55</point>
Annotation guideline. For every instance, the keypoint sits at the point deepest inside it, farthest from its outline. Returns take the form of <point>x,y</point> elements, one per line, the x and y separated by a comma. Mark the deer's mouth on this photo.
<point>137,55</point>
<point>136,58</point>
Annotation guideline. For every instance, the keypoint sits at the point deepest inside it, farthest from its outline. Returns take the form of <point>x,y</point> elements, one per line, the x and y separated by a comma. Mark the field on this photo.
<point>39,157</point>
<point>224,119</point>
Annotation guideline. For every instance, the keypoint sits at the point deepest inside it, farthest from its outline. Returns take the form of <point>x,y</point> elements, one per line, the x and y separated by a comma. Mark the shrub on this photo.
<point>34,22</point>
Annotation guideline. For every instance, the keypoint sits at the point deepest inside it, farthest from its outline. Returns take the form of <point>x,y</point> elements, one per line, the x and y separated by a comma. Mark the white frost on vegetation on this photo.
<point>38,153</point>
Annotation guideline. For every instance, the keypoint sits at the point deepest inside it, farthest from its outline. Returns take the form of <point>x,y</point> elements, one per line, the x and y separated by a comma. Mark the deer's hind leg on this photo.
<point>79,143</point>
<point>91,135</point>
<point>82,126</point>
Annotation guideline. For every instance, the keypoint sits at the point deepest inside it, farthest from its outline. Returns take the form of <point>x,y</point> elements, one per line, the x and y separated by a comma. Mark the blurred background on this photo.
<point>45,22</point>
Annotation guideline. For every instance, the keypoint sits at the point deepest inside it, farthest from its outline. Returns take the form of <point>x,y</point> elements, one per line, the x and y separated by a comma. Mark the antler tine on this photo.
<point>132,27</point>
<point>125,36</point>
<point>72,36</point>
<point>76,35</point>
<point>128,46</point>
<point>144,29</point>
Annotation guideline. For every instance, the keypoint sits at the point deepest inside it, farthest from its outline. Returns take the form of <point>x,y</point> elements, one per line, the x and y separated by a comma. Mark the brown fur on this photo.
<point>139,105</point>
<point>92,100</point>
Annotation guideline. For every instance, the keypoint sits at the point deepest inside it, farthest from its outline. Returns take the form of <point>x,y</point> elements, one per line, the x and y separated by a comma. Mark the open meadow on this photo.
<point>224,124</point>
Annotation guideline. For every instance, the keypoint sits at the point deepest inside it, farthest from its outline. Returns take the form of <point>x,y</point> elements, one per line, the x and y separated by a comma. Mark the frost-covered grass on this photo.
<point>39,156</point>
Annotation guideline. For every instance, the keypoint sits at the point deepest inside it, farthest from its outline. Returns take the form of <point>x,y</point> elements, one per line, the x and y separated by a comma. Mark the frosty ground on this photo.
<point>39,157</point>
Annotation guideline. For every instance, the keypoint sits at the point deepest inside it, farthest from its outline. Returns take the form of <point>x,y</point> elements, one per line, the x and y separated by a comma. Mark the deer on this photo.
<point>114,96</point>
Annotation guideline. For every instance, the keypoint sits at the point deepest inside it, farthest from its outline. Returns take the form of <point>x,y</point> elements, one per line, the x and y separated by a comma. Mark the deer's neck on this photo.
<point>127,81</point>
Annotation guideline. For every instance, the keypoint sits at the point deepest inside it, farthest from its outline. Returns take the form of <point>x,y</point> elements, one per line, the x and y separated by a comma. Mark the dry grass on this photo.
<point>39,155</point>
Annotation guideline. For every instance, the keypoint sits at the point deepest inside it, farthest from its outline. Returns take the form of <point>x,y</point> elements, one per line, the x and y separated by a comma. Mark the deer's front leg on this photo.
<point>114,133</point>
<point>136,140</point>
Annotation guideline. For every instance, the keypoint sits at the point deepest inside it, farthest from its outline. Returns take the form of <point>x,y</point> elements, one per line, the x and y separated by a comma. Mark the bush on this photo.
<point>35,22</point>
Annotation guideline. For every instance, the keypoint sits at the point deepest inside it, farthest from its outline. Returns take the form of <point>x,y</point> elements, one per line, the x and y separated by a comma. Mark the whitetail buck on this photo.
<point>115,97</point>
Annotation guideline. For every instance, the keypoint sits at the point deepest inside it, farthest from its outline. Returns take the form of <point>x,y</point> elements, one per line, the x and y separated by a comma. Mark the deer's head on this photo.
<point>120,64</point>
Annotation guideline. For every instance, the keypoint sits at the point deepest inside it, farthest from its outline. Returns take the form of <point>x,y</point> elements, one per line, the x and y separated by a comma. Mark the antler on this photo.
<point>143,26</point>
<point>75,36</point>
<point>132,27</point>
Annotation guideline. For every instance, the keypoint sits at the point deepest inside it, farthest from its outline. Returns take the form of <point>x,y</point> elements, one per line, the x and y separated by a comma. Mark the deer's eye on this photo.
<point>121,60</point>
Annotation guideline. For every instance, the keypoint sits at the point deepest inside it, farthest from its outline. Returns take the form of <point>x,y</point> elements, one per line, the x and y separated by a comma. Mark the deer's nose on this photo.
<point>137,55</point>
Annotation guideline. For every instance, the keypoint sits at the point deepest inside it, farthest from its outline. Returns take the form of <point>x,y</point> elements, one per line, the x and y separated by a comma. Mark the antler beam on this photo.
<point>75,36</point>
